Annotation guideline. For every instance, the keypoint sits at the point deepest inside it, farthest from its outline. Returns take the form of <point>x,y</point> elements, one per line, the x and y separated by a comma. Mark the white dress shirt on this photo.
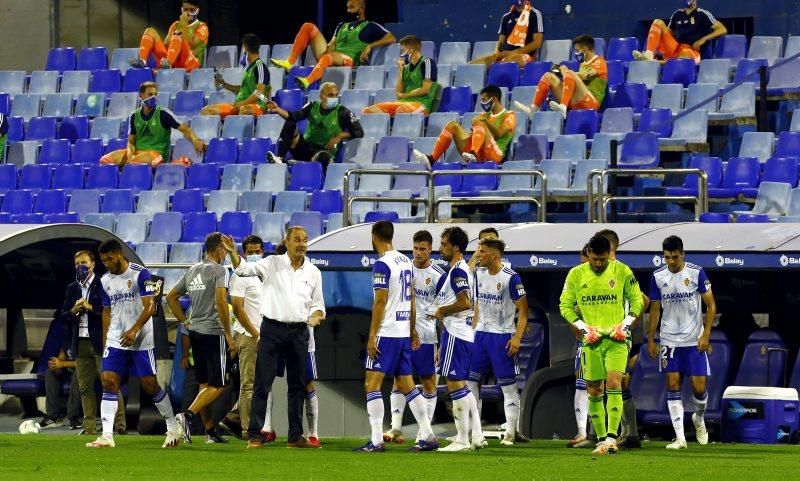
<point>251,290</point>
<point>289,295</point>
<point>83,325</point>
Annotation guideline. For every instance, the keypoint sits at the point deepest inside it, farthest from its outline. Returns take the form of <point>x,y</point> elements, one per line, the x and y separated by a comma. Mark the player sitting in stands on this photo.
<point>520,36</point>
<point>184,46</point>
<point>253,92</point>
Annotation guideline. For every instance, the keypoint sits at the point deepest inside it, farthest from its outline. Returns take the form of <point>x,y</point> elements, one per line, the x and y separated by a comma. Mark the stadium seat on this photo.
<point>715,218</point>
<point>582,169</point>
<point>73,128</point>
<point>151,202</point>
<point>106,81</point>
<point>310,221</point>
<point>780,169</point>
<point>92,58</point>
<point>271,178</point>
<point>533,72</point>
<point>187,201</point>
<point>153,252</point>
<point>206,127</point>
<point>34,177</point>
<point>375,216</point>
<point>510,184</point>
<point>699,93</point>
<point>254,151</point>
<point>325,202</point>
<point>558,172</point>
<point>645,72</point>
<point>62,218</point>
<point>186,253</point>
<point>369,77</point>
<point>296,72</point>
<point>616,74</point>
<point>639,150</point>
<point>57,105</point>
<point>306,176</point>
<point>547,123</point>
<point>356,100</point>
<point>764,360</point>
<point>657,121</point>
<point>473,76</point>
<point>402,209</point>
<point>453,53</point>
<point>360,209</point>
<point>570,147</point>
<point>83,202</point>
<point>482,49</point>
<point>117,201</point>
<point>617,121</point>
<point>341,76</point>
<point>102,177</point>
<point>375,182</point>
<point>270,226</point>
<point>222,151</point>
<point>22,153</point>
<point>16,129</point>
<point>289,100</point>
<point>794,203</point>
<point>169,177</point>
<point>412,183</point>
<point>360,151</point>
<point>679,71</point>
<point>136,177</point>
<point>758,145</point>
<point>732,47</point>
<point>290,201</point>
<point>622,48</point>
<point>392,150</point>
<point>715,71</point>
<point>772,199</point>
<point>472,185</point>
<point>8,177</point>
<point>75,83</point>
<point>712,166</point>
<point>238,126</point>
<point>690,129</point>
<point>385,55</point>
<point>188,102</point>
<point>453,181</point>
<point>601,146</point>
<point>737,103</point>
<point>236,224</point>
<point>375,125</point>
<point>132,227</point>
<point>202,79</point>
<point>171,80</point>
<point>43,82</point>
<point>445,210</point>
<point>221,201</point>
<point>408,125</point>
<point>532,147</point>
<point>221,56</point>
<point>557,51</point>
<point>584,122</point>
<point>384,95</point>
<point>120,58</point>
<point>237,177</point>
<point>41,128</point>
<point>166,227</point>
<point>61,59</point>
<point>769,48</point>
<point>135,77</point>
<point>505,74</point>
<point>255,202</point>
<point>90,104</point>
<point>269,126</point>
<point>18,202</point>
<point>783,79</point>
<point>26,106</point>
<point>788,145</point>
<point>198,225</point>
<point>630,95</point>
<point>648,385</point>
<point>5,103</point>
<point>747,70</point>
<point>742,173</point>
<point>54,151</point>
<point>12,82</point>
<point>792,46</point>
<point>752,219</point>
<point>30,218</point>
<point>456,99</point>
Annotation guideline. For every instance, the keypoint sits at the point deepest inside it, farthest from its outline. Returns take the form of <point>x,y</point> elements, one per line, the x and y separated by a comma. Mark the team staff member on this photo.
<point>82,312</point>
<point>185,44</point>
<point>351,44</point>
<point>149,137</point>
<point>329,123</point>
<point>415,85</point>
<point>209,332</point>
<point>520,36</point>
<point>254,88</point>
<point>688,30</point>
<point>292,301</point>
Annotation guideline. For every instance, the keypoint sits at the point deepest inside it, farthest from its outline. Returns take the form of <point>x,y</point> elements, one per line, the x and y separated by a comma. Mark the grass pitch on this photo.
<point>57,458</point>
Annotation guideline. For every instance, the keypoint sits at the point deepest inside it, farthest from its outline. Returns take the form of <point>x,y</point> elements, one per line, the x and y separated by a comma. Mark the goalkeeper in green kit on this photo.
<point>600,289</point>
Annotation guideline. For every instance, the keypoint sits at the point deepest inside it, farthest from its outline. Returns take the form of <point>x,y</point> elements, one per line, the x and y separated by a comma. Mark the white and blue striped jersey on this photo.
<point>458,280</point>
<point>495,295</point>
<point>679,294</point>
<point>393,271</point>
<point>123,293</point>
<point>425,282</point>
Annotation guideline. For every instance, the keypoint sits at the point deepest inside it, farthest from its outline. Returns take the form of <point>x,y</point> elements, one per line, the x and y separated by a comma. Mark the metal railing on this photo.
<point>432,202</point>
<point>597,203</point>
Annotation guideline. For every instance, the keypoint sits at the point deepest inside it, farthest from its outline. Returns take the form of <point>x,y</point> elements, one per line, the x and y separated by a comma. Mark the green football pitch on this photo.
<point>56,458</point>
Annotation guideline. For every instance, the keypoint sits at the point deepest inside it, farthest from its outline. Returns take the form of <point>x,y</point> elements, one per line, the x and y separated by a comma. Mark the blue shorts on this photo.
<point>124,362</point>
<point>489,354</point>
<point>394,358</point>
<point>422,360</point>
<point>454,358</point>
<point>311,367</point>
<point>685,360</point>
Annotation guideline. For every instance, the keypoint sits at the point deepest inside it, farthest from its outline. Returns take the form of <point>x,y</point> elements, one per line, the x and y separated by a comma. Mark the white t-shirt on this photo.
<point>495,295</point>
<point>458,280</point>
<point>249,288</point>
<point>123,293</point>
<point>425,282</point>
<point>394,272</point>
<point>681,305</point>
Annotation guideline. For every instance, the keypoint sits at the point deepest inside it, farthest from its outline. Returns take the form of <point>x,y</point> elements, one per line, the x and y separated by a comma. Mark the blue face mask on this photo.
<point>253,258</point>
<point>243,60</point>
<point>151,102</point>
<point>331,102</point>
<point>406,56</point>
<point>81,273</point>
<point>580,56</point>
<point>487,106</point>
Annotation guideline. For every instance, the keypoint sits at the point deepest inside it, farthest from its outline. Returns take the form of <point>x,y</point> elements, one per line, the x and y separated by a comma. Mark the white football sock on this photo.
<point>162,402</point>
<point>475,417</point>
<point>419,408</point>
<point>398,405</point>
<point>675,406</point>
<point>108,410</point>
<point>700,404</point>
<point>581,404</point>
<point>461,414</point>
<point>511,408</point>
<point>312,413</point>
<point>430,400</point>
<point>375,412</point>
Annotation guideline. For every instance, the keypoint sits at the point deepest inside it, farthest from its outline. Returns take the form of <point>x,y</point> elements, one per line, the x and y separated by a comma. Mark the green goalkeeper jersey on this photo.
<point>601,297</point>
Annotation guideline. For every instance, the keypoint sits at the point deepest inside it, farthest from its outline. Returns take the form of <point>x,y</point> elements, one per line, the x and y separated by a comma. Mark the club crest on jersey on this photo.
<point>612,283</point>
<point>427,281</point>
<point>498,286</point>
<point>130,283</point>
<point>686,282</point>
<point>664,363</point>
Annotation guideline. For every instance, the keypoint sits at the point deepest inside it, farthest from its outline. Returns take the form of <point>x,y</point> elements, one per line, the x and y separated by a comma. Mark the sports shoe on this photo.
<point>172,440</point>
<point>468,157</point>
<point>273,159</point>
<point>450,439</point>
<point>479,443</point>
<point>631,442</point>
<point>302,443</point>
<point>700,430</point>
<point>507,440</point>
<point>557,107</point>
<point>268,436</point>
<point>521,438</point>
<point>284,64</point>
<point>422,158</point>
<point>455,447</point>
<point>314,441</point>
<point>422,445</point>
<point>576,440</point>
<point>215,438</point>
<point>677,444</point>
<point>528,110</point>
<point>230,427</point>
<point>586,443</point>
<point>48,423</point>
<point>164,63</point>
<point>184,428</point>
<point>102,442</point>
<point>370,448</point>
<point>136,63</point>
<point>607,446</point>
<point>639,55</point>
<point>394,436</point>
<point>254,442</point>
<point>302,82</point>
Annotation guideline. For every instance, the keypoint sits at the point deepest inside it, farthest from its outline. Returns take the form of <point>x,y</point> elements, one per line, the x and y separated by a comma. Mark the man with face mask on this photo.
<point>689,28</point>
<point>353,41</point>
<point>329,123</point>
<point>416,82</point>
<point>598,291</point>
<point>581,90</point>
<point>150,131</point>
<point>81,311</point>
<point>520,36</point>
<point>185,43</point>
<point>488,141</point>
<point>209,333</point>
<point>253,92</point>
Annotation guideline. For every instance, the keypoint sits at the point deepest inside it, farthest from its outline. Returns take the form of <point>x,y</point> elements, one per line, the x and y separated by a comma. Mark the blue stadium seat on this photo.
<point>601,146</point>
<point>558,172</point>
<point>532,147</point>
<point>296,72</point>
<point>75,83</point>
<point>582,170</point>
<point>690,129</point>
<point>732,47</point>
<point>106,81</point>
<point>456,99</point>
<point>788,145</point>
<point>621,48</point>
<point>657,121</point>
<point>617,121</point>
<point>616,73</point>
<point>437,121</point>
<point>769,48</point>
<point>255,202</point>
<point>54,151</point>
<point>747,70</point>
<point>135,77</point>
<point>505,74</point>
<point>326,202</point>
<point>630,95</point>
<point>87,151</point>
<point>102,177</point>
<point>18,202</point>
<point>221,201</point>
<point>412,183</point>
<point>570,147</point>
<point>104,221</point>
<point>453,53</point>
<point>473,185</point>
<point>198,225</point>
<point>310,221</point>
<point>715,218</point>
<point>472,76</point>
<point>290,201</point>
<point>238,126</point>
<point>375,216</point>
<point>34,177</point>
<point>645,72</point>
<point>360,151</point>
<point>203,176</point>
<point>375,182</point>
<point>356,100</point>
<point>136,177</point>
<point>8,177</point>
<point>772,199</point>
<point>271,178</point>
<point>341,76</point>
<point>584,122</point>
<point>238,177</point>
<point>57,105</point>
<point>83,202</point>
<point>152,252</point>
<point>386,95</point>
<point>152,202</point>
<point>222,151</point>
<point>92,58</point>
<point>757,144</point>
<point>270,226</point>
<point>16,129</point>
<point>402,209</point>
<point>12,82</point>
<point>698,93</point>
<point>453,181</point>
<point>73,128</point>
<point>26,106</point>
<point>482,49</point>
<point>509,184</point>
<point>171,80</point>
<point>41,128</point>
<point>783,79</point>
<point>306,176</point>
<point>752,219</point>
<point>222,56</point>
<point>206,127</point>
<point>61,59</point>
<point>236,224</point>
<point>679,71</point>
<point>43,82</point>
<point>91,104</point>
<point>132,227</point>
<point>120,58</point>
<point>202,79</point>
<point>715,71</point>
<point>188,102</point>
<point>764,360</point>
<point>31,218</point>
<point>742,173</point>
<point>375,125</point>
<point>392,150</point>
<point>712,166</point>
<point>186,253</point>
<point>408,125</point>
<point>370,77</point>
<point>166,227</point>
<point>533,72</point>
<point>269,126</point>
<point>557,51</point>
<point>254,151</point>
<point>289,100</point>
<point>117,201</point>
<point>62,218</point>
<point>5,103</point>
<point>22,153</point>
<point>737,103</point>
<point>334,178</point>
<point>547,123</point>
<point>794,203</point>
<point>639,150</point>
<point>184,148</point>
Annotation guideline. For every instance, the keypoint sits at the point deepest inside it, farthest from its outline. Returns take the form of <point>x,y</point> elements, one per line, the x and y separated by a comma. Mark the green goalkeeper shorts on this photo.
<point>606,356</point>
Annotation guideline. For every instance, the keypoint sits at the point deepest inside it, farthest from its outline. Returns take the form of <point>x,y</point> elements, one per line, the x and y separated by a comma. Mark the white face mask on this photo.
<point>253,258</point>
<point>331,102</point>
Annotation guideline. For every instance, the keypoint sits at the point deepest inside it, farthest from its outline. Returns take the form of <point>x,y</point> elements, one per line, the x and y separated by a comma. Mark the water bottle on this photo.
<point>555,437</point>
<point>260,96</point>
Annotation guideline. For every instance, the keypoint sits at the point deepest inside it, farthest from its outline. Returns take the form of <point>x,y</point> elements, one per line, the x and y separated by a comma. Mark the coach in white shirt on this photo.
<point>291,301</point>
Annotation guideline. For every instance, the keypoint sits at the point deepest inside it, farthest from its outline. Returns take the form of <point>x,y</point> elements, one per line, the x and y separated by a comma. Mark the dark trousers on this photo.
<point>304,150</point>
<point>289,341</point>
<point>56,405</point>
